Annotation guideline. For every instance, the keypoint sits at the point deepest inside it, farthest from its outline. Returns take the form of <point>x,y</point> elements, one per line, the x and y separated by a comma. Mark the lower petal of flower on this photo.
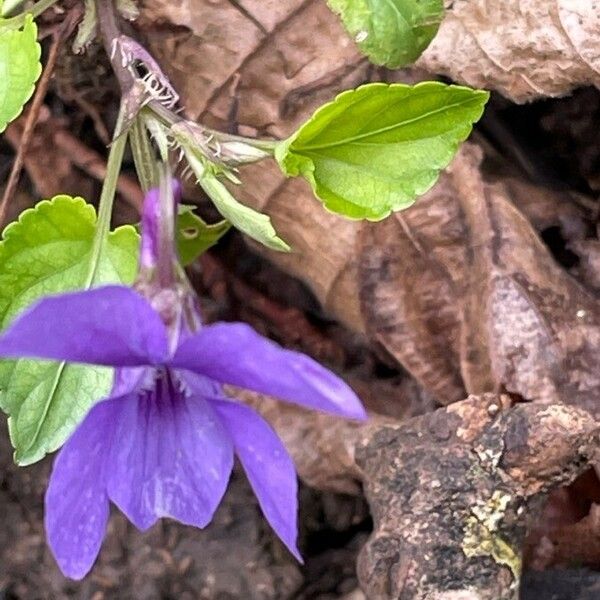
<point>77,506</point>
<point>268,466</point>
<point>171,458</point>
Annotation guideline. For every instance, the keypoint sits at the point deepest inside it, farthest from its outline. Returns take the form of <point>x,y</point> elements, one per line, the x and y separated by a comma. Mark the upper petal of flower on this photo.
<point>234,353</point>
<point>111,325</point>
<point>151,251</point>
<point>171,458</point>
<point>77,506</point>
<point>150,220</point>
<point>268,466</point>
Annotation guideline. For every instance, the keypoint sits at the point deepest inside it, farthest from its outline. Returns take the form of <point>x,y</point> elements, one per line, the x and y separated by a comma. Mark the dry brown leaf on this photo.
<point>448,286</point>
<point>543,328</point>
<point>411,280</point>
<point>327,263</point>
<point>524,49</point>
<point>273,57</point>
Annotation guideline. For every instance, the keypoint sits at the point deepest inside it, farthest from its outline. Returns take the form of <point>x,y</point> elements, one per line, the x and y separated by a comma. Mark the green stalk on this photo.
<point>107,196</point>
<point>143,155</point>
<point>10,6</point>
<point>260,144</point>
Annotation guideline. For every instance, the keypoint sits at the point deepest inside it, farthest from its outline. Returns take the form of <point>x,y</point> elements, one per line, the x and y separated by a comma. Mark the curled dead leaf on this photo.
<point>459,288</point>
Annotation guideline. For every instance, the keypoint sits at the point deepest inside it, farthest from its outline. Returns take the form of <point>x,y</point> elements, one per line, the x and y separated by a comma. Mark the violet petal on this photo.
<point>77,506</point>
<point>128,380</point>
<point>111,325</point>
<point>172,457</point>
<point>150,220</point>
<point>151,214</point>
<point>268,466</point>
<point>233,353</point>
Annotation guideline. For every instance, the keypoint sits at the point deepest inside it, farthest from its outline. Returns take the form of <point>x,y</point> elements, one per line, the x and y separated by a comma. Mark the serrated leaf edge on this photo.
<point>28,22</point>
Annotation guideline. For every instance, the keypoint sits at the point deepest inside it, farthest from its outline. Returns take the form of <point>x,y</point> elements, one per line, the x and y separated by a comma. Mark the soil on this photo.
<point>236,557</point>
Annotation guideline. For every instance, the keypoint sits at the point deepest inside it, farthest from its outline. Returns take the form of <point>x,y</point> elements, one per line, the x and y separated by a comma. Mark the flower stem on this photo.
<point>10,6</point>
<point>143,155</point>
<point>109,29</point>
<point>107,196</point>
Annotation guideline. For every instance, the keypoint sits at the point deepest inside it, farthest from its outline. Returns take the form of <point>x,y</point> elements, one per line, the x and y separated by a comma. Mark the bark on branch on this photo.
<point>450,491</point>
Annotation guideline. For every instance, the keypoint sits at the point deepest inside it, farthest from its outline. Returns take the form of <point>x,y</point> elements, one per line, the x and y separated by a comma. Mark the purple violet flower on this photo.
<point>162,444</point>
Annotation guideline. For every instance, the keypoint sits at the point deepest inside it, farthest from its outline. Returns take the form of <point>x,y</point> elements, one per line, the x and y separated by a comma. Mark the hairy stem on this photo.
<point>109,29</point>
<point>166,274</point>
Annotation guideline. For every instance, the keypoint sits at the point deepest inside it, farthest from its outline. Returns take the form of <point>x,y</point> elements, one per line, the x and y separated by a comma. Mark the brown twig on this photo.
<point>58,37</point>
<point>92,112</point>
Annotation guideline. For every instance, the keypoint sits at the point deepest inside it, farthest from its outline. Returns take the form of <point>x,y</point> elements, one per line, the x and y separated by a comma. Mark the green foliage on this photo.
<point>391,32</point>
<point>20,68</point>
<point>194,236</point>
<point>254,224</point>
<point>49,250</point>
<point>373,150</point>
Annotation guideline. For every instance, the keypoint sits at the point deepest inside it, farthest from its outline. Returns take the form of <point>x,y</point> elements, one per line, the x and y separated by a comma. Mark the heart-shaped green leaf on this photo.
<point>20,68</point>
<point>49,251</point>
<point>393,33</point>
<point>373,150</point>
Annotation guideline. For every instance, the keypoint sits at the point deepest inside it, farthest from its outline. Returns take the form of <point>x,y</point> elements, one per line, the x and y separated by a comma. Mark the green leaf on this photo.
<point>373,150</point>
<point>393,33</point>
<point>194,236</point>
<point>20,68</point>
<point>254,224</point>
<point>48,251</point>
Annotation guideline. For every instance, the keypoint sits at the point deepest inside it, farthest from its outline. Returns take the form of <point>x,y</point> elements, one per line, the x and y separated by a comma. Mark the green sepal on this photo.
<point>195,236</point>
